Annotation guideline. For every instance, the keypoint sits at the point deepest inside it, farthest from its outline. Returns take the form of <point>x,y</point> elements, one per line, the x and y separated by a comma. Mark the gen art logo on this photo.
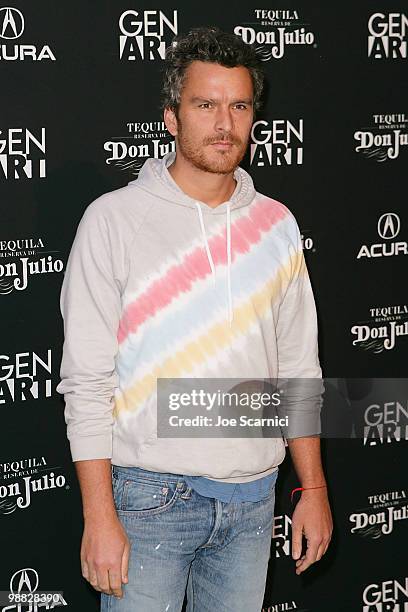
<point>276,143</point>
<point>387,36</point>
<point>22,153</point>
<point>144,35</point>
<point>387,596</point>
<point>281,536</point>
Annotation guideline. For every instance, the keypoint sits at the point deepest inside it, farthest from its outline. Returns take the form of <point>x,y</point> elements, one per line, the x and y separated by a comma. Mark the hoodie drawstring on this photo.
<point>207,248</point>
<point>230,312</point>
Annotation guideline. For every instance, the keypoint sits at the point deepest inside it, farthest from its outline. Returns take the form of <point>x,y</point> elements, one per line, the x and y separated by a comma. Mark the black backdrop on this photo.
<point>79,114</point>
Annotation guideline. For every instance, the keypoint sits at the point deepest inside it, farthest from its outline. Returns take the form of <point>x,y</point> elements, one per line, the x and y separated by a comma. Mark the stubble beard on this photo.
<point>223,162</point>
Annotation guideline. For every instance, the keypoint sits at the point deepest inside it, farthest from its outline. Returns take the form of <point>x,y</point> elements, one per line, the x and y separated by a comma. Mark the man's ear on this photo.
<point>170,120</point>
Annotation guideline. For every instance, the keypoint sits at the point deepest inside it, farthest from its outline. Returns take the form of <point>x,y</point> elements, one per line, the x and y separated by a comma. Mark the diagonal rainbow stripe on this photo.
<point>245,231</point>
<point>219,336</point>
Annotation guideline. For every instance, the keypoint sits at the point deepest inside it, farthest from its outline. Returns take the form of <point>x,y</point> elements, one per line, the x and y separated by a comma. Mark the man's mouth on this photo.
<point>223,144</point>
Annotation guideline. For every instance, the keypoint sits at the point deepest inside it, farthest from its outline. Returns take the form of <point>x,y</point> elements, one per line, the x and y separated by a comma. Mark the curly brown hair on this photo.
<point>208,44</point>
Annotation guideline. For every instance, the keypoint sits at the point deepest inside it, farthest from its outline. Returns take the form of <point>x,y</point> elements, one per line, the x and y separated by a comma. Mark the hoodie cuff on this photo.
<point>303,425</point>
<point>91,447</point>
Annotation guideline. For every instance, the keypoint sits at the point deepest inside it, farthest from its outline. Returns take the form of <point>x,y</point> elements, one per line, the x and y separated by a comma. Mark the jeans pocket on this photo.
<point>140,497</point>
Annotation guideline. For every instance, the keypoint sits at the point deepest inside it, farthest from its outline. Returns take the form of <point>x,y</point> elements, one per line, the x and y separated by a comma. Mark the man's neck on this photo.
<point>208,187</point>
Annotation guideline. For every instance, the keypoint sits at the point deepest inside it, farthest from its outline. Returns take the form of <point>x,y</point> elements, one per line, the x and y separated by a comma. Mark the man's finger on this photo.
<point>125,564</point>
<point>85,569</point>
<point>296,541</point>
<point>321,550</point>
<point>115,582</point>
<point>324,546</point>
<point>311,552</point>
<point>103,581</point>
<point>93,579</point>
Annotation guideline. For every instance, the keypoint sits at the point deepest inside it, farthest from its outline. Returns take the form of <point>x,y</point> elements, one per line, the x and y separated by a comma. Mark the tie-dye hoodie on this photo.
<point>160,285</point>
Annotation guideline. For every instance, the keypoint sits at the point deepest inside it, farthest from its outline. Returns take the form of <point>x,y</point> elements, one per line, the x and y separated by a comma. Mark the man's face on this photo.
<point>215,116</point>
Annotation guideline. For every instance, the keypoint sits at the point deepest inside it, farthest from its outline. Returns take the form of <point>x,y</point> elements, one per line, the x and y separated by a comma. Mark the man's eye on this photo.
<point>241,106</point>
<point>204,105</point>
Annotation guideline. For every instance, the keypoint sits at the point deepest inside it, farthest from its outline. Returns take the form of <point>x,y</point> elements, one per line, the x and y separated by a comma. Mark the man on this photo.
<point>188,272</point>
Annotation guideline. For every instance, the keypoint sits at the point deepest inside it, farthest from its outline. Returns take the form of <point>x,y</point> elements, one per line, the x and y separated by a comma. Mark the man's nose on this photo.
<point>224,121</point>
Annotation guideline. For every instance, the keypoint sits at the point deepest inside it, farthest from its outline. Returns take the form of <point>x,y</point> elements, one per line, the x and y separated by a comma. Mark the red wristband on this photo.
<point>304,489</point>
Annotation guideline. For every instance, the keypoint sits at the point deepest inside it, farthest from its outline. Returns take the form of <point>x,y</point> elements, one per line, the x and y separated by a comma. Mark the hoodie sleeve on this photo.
<point>90,304</point>
<point>299,371</point>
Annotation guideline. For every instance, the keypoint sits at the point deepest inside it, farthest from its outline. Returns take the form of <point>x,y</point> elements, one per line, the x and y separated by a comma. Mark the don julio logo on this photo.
<point>284,606</point>
<point>387,323</point>
<point>12,26</point>
<point>22,259</point>
<point>274,31</point>
<point>379,517</point>
<point>383,141</point>
<point>308,243</point>
<point>20,479</point>
<point>143,139</point>
<point>143,34</point>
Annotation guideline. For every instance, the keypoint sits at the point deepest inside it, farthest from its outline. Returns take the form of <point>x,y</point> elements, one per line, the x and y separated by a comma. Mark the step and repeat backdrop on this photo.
<point>79,115</point>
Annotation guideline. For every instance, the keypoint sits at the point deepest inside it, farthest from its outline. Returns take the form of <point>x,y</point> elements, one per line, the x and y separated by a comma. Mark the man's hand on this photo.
<point>105,553</point>
<point>311,517</point>
<point>105,547</point>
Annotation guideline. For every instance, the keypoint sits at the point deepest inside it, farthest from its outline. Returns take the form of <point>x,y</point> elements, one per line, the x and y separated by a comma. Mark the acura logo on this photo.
<point>27,578</point>
<point>11,23</point>
<point>388,225</point>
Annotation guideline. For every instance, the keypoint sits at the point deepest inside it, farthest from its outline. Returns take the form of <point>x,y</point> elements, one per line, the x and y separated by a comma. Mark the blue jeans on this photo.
<point>182,540</point>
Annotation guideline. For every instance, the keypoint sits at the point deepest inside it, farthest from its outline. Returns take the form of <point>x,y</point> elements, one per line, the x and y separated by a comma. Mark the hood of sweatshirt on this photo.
<point>155,178</point>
